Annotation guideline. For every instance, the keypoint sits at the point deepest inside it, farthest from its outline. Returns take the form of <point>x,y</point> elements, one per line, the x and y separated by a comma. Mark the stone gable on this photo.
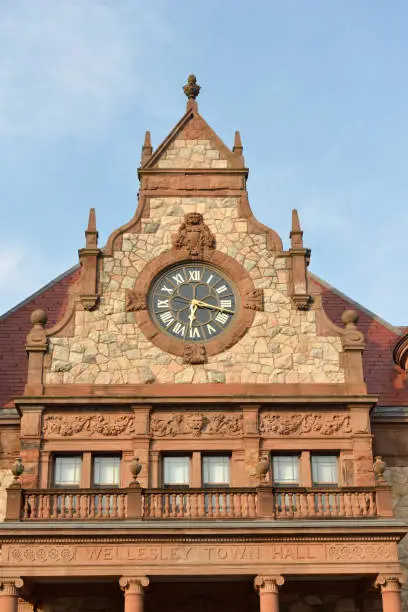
<point>282,346</point>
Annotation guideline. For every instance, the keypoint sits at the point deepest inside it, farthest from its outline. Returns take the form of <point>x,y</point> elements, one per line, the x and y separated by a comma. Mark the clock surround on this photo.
<point>193,302</point>
<point>248,300</point>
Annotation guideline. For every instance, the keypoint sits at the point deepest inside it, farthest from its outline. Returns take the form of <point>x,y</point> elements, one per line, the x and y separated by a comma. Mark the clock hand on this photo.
<point>193,308</point>
<point>205,305</point>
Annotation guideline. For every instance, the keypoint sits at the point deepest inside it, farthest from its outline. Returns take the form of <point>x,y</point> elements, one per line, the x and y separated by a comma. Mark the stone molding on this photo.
<point>195,424</point>
<point>268,584</point>
<point>304,424</point>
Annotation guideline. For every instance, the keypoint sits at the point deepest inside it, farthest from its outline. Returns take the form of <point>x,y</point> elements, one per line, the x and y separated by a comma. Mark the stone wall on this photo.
<point>191,154</point>
<point>398,477</point>
<point>281,347</point>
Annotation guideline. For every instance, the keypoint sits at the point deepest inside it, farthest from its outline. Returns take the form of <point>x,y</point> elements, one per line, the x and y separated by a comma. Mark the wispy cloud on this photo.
<point>70,64</point>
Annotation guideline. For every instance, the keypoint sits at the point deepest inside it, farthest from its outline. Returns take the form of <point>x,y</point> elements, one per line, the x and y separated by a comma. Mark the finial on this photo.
<point>91,234</point>
<point>237,148</point>
<point>147,149</point>
<point>296,234</point>
<point>191,89</point>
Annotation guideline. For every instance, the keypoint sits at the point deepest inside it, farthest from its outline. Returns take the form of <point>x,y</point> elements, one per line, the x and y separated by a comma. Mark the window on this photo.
<point>285,470</point>
<point>324,469</point>
<point>67,471</point>
<point>106,471</point>
<point>176,471</point>
<point>216,471</point>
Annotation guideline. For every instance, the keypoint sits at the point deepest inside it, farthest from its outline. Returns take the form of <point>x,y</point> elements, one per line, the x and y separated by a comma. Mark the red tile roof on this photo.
<point>15,325</point>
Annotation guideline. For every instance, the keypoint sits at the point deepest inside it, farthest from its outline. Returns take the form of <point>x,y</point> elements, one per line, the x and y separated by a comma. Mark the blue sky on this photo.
<point>317,88</point>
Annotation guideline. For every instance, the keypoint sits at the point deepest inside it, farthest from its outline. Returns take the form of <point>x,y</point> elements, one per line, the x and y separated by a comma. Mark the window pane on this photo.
<point>106,470</point>
<point>216,470</point>
<point>324,469</point>
<point>67,471</point>
<point>286,469</point>
<point>176,470</point>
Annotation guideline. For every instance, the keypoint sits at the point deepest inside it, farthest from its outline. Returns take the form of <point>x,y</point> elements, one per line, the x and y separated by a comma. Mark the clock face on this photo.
<point>194,302</point>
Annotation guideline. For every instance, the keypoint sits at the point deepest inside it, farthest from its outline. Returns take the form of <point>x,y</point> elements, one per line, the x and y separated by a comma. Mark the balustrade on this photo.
<point>217,503</point>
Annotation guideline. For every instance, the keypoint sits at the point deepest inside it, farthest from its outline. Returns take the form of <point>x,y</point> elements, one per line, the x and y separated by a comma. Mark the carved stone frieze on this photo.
<point>301,424</point>
<point>135,301</point>
<point>196,424</point>
<point>194,353</point>
<point>194,236</point>
<point>254,300</point>
<point>55,426</point>
<point>351,552</point>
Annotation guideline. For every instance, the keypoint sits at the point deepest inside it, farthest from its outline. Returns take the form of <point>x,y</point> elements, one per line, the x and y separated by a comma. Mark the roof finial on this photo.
<point>191,89</point>
<point>91,233</point>
<point>147,149</point>
<point>296,234</point>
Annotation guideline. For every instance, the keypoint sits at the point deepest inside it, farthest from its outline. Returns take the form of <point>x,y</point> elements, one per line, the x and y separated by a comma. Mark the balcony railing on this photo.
<point>226,503</point>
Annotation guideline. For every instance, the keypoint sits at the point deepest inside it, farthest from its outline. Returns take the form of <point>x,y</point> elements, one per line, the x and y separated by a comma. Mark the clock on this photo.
<point>193,302</point>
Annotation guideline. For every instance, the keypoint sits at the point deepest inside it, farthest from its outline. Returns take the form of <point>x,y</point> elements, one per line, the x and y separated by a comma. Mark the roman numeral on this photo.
<point>194,332</point>
<point>210,278</point>
<point>178,279</point>
<point>167,318</point>
<point>222,289</point>
<point>225,303</point>
<point>166,289</point>
<point>162,303</point>
<point>222,318</point>
<point>211,330</point>
<point>179,329</point>
<point>194,275</point>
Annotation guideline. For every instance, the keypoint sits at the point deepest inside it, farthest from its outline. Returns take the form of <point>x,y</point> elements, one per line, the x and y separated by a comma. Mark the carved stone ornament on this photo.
<point>194,236</point>
<point>355,551</point>
<point>89,302</point>
<point>268,584</point>
<point>90,425</point>
<point>134,585</point>
<point>315,424</point>
<point>196,424</point>
<point>135,301</point>
<point>191,90</point>
<point>254,300</point>
<point>194,353</point>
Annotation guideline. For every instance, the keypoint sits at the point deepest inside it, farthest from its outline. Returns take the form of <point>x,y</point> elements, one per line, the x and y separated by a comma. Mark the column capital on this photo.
<point>268,584</point>
<point>134,584</point>
<point>10,586</point>
<point>391,584</point>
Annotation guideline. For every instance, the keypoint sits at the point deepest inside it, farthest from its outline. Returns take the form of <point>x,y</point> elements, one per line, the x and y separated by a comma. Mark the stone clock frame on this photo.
<point>194,242</point>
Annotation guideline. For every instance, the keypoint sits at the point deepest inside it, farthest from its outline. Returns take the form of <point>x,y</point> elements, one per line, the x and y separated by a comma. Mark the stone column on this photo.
<point>133,588</point>
<point>9,588</point>
<point>268,589</point>
<point>390,592</point>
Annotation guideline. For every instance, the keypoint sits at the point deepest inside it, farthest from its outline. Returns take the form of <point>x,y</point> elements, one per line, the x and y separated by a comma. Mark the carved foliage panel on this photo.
<point>195,424</point>
<point>88,425</point>
<point>273,424</point>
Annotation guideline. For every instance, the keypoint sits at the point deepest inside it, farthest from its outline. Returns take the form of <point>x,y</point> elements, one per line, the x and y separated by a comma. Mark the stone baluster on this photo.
<point>390,592</point>
<point>268,589</point>
<point>133,588</point>
<point>9,592</point>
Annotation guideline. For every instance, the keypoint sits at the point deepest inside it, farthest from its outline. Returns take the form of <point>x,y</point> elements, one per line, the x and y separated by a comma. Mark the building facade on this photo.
<point>192,419</point>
